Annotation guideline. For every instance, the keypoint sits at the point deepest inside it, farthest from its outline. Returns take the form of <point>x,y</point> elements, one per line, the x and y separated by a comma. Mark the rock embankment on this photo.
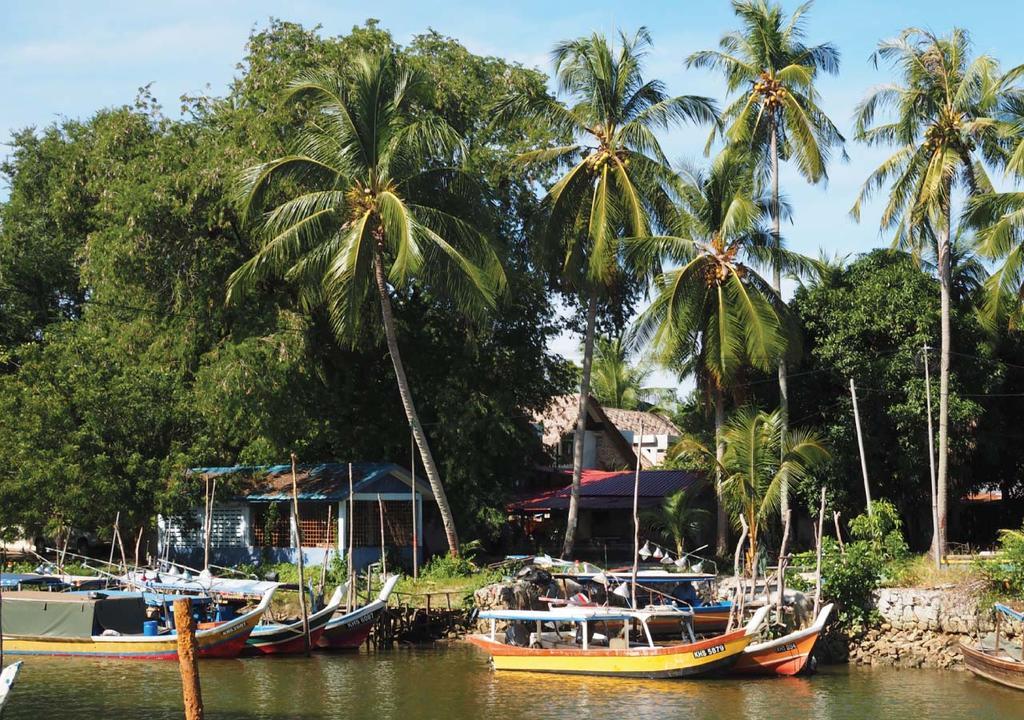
<point>921,628</point>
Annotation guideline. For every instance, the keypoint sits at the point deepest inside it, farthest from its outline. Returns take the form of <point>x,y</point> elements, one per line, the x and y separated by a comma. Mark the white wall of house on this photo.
<point>653,447</point>
<point>589,450</point>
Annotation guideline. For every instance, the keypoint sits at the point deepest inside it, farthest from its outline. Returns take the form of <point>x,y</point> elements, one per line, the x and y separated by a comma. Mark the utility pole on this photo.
<point>860,444</point>
<point>931,460</point>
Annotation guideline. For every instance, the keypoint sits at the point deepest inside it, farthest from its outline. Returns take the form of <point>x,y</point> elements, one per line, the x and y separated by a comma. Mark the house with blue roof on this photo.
<point>252,518</point>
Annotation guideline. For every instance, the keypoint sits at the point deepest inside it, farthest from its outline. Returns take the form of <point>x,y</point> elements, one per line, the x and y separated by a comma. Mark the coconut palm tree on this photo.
<point>353,220</point>
<point>776,113</point>
<point>759,460</point>
<point>618,382</point>
<point>945,126</point>
<point>616,176</point>
<point>678,518</point>
<point>714,313</point>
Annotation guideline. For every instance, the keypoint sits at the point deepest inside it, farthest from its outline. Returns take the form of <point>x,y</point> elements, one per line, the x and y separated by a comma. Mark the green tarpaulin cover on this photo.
<point>68,615</point>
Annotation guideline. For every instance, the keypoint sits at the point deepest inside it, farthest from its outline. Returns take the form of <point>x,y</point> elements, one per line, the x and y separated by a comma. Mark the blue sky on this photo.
<point>67,59</point>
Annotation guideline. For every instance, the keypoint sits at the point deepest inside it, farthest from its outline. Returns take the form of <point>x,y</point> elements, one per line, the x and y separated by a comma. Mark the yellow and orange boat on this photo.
<point>109,626</point>
<point>787,655</point>
<point>550,649</point>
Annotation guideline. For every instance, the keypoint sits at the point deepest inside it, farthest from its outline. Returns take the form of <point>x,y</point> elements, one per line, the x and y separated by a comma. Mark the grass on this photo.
<point>919,571</point>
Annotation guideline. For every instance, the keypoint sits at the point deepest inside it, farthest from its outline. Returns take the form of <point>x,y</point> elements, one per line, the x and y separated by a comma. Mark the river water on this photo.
<point>454,683</point>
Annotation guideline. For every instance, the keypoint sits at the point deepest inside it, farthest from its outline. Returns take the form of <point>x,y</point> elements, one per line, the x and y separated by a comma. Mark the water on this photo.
<point>455,683</point>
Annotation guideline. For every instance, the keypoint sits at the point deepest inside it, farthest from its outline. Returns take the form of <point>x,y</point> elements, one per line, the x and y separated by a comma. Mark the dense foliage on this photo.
<point>123,366</point>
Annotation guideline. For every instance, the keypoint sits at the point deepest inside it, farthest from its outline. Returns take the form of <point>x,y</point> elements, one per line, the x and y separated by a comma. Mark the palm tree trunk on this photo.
<point>581,428</point>
<point>722,542</point>
<point>945,281</point>
<point>410,409</point>
<point>777,284</point>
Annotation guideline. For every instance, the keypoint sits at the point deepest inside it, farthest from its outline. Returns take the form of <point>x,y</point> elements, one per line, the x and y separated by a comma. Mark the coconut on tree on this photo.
<point>615,177</point>
<point>776,113</point>
<point>713,313</point>
<point>356,218</point>
<point>945,121</point>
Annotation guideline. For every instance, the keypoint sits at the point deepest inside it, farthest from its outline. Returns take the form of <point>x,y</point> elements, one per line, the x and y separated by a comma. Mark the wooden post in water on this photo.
<point>351,536</point>
<point>185,626</point>
<point>819,538</point>
<point>298,542</point>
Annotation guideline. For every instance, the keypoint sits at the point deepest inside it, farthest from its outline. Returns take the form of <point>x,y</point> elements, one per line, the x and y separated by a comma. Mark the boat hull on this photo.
<point>706,657</point>
<point>787,656</point>
<point>348,636</point>
<point>990,667</point>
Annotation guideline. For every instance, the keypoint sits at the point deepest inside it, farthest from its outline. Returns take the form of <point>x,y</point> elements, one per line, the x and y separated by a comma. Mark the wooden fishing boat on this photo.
<point>97,625</point>
<point>286,638</point>
<point>787,655</point>
<point>581,652</point>
<point>347,631</point>
<point>994,662</point>
<point>7,677</point>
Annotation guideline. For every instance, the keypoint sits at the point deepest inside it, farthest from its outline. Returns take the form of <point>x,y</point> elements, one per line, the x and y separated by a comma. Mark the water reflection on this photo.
<point>455,683</point>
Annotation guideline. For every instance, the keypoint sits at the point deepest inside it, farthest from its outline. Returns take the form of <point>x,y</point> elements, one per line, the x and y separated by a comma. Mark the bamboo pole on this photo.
<point>860,444</point>
<point>415,539</point>
<point>636,518</point>
<point>819,538</point>
<point>298,542</point>
<point>327,552</point>
<point>185,626</point>
<point>839,533</point>
<point>383,555</point>
<point>783,561</point>
<point>138,543</point>
<point>351,538</point>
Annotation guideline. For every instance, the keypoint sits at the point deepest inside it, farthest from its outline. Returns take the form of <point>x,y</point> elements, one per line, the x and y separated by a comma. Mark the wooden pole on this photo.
<point>298,542</point>
<point>738,592</point>
<point>113,539</point>
<point>327,552</point>
<point>206,527</point>
<point>415,539</point>
<point>351,537</point>
<point>818,539</point>
<point>860,444</point>
<point>636,518</point>
<point>931,462</point>
<point>383,556</point>
<point>783,561</point>
<point>839,534</point>
<point>185,626</point>
<point>138,543</point>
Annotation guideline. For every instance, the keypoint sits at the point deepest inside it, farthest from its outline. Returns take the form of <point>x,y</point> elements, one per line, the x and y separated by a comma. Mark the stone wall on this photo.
<point>921,628</point>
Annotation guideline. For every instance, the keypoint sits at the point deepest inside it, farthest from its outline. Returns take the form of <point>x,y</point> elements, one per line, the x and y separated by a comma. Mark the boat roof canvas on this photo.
<point>67,615</point>
<point>557,615</point>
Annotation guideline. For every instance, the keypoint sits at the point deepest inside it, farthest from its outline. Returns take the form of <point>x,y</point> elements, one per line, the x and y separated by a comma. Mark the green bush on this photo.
<point>1006,572</point>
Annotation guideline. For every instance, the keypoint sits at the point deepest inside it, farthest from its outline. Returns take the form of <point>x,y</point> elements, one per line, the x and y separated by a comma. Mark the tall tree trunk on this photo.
<point>410,409</point>
<point>581,428</point>
<point>722,542</point>
<point>777,284</point>
<point>945,281</point>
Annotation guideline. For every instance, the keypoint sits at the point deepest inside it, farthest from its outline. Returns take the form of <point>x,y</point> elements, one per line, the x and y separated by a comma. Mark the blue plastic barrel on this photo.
<point>150,627</point>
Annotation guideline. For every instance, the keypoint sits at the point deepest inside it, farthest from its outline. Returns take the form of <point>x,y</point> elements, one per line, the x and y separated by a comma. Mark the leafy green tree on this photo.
<point>777,112</point>
<point>355,219</point>
<point>757,462</point>
<point>678,518</point>
<point>869,321</point>
<point>617,181</point>
<point>945,125</point>
<point>714,314</point>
